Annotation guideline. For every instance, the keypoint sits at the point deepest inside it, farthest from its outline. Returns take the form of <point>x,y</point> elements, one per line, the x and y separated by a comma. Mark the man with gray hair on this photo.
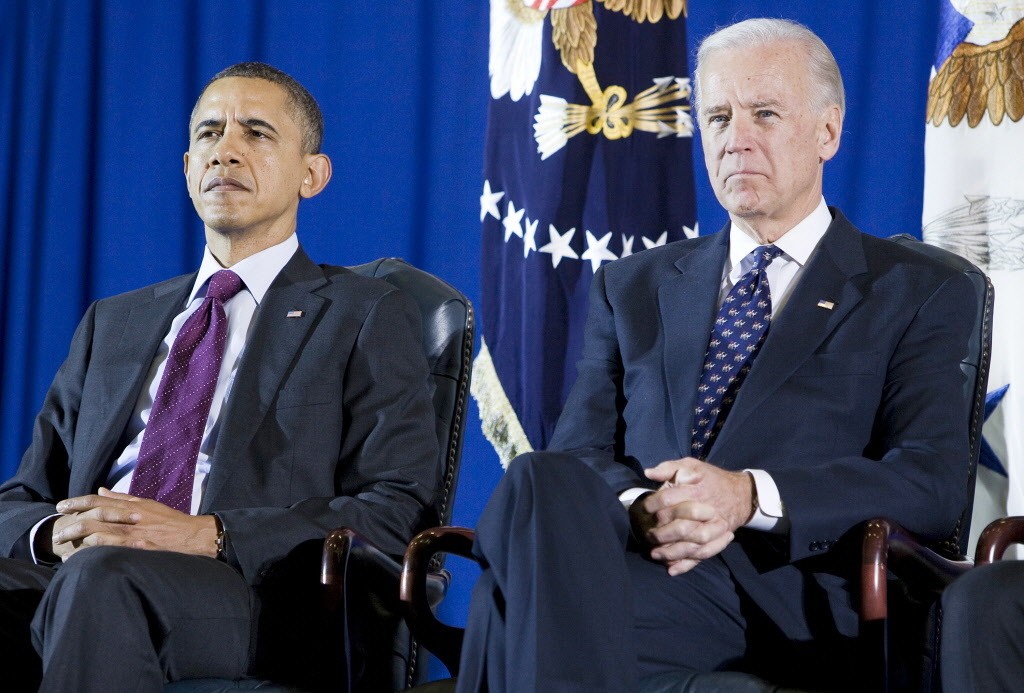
<point>744,401</point>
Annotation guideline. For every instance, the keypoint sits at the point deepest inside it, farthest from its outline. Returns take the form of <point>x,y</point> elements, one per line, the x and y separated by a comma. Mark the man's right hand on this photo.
<point>694,514</point>
<point>95,523</point>
<point>680,535</point>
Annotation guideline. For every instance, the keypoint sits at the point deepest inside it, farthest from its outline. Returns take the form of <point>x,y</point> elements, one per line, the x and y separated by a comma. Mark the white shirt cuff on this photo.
<point>770,514</point>
<point>631,494</point>
<point>32,538</point>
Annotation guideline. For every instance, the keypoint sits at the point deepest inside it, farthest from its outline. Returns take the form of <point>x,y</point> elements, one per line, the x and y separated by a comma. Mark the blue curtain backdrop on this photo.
<point>95,98</point>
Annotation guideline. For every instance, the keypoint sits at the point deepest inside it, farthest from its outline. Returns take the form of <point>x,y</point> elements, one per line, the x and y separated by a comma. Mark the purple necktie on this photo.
<point>736,338</point>
<point>170,446</point>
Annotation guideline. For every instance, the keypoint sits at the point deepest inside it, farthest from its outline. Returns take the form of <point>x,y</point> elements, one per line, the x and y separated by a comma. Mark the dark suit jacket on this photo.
<point>329,421</point>
<point>855,411</point>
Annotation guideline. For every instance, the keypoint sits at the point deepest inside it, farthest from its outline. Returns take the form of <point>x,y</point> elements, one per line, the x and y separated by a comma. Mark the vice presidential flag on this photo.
<point>588,159</point>
<point>974,205</point>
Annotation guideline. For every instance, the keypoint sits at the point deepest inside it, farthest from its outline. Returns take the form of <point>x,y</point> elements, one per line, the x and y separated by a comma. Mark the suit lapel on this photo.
<point>273,345</point>
<point>124,374</point>
<point>688,304</point>
<point>803,325</point>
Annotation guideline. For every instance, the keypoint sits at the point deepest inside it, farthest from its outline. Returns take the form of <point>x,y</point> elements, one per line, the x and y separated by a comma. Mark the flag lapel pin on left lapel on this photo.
<point>295,314</point>
<point>827,305</point>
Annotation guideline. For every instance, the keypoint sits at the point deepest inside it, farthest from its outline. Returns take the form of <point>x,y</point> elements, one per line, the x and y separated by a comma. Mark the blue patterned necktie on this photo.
<point>736,337</point>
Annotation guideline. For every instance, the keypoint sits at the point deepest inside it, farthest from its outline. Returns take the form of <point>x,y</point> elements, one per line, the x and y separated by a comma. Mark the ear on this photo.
<point>318,174</point>
<point>830,129</point>
<point>186,165</point>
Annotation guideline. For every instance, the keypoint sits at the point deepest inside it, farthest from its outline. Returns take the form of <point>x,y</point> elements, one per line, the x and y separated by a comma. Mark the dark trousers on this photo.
<point>117,619</point>
<point>983,630</point>
<point>566,604</point>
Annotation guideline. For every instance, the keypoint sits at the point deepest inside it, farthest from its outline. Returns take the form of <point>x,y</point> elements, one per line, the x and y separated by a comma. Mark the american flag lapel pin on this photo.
<point>827,305</point>
<point>295,314</point>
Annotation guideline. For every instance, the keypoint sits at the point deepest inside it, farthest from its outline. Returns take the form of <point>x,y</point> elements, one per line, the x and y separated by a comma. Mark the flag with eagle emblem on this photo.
<point>974,205</point>
<point>588,159</point>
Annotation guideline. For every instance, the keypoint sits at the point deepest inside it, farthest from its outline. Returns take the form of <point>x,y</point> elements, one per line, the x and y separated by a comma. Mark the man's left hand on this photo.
<point>696,511</point>
<point>154,526</point>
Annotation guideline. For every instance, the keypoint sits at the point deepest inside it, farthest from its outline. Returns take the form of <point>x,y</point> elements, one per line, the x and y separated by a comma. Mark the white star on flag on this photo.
<point>627,245</point>
<point>558,247</point>
<point>489,202</point>
<point>513,221</point>
<point>648,243</point>
<point>663,83</point>
<point>597,250</point>
<point>530,239</point>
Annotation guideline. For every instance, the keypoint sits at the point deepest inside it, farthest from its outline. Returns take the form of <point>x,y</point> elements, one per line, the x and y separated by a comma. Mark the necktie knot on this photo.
<point>224,285</point>
<point>763,256</point>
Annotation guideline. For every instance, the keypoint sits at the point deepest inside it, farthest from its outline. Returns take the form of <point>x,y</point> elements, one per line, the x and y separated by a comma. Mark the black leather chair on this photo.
<point>360,583</point>
<point>899,626</point>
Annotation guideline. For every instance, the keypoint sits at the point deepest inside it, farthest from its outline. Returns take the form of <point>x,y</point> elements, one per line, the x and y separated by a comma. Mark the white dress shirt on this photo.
<point>257,273</point>
<point>797,246</point>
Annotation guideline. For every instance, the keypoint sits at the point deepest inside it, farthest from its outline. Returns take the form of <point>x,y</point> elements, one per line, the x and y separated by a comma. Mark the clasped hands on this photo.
<point>694,513</point>
<point>118,519</point>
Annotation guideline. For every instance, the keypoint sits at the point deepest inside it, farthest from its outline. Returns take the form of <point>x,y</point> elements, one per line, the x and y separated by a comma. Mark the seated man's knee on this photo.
<point>550,484</point>
<point>998,583</point>
<point>96,567</point>
<point>544,467</point>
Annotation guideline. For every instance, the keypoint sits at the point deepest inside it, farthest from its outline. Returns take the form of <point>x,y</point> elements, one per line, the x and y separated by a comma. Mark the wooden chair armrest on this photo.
<point>345,550</point>
<point>888,547</point>
<point>997,537</point>
<point>443,640</point>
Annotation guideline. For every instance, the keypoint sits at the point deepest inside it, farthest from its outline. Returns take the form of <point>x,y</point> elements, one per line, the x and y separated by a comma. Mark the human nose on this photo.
<point>228,149</point>
<point>739,136</point>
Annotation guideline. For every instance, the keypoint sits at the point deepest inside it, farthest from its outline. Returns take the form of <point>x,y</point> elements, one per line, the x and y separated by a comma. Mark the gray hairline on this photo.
<point>826,80</point>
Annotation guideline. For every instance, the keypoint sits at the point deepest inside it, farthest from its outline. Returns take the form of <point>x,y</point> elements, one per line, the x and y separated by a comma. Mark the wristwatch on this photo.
<point>221,535</point>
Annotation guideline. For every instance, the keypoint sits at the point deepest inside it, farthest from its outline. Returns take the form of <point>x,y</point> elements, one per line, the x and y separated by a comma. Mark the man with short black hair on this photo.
<point>205,433</point>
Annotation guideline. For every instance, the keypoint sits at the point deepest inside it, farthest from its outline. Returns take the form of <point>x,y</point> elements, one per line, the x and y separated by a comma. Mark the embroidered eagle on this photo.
<point>517,28</point>
<point>978,79</point>
<point>515,57</point>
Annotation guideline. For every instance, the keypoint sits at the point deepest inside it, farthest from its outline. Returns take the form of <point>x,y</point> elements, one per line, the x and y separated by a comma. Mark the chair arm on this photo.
<point>363,610</point>
<point>341,545</point>
<point>997,537</point>
<point>443,640</point>
<point>888,547</point>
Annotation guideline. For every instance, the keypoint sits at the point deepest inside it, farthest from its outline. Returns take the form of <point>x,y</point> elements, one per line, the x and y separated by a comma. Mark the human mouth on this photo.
<point>742,173</point>
<point>223,184</point>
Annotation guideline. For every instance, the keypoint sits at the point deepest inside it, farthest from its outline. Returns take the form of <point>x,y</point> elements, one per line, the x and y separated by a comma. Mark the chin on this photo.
<point>744,208</point>
<point>224,223</point>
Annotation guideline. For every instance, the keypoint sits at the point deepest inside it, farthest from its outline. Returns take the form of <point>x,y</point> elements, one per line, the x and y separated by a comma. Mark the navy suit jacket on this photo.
<point>329,421</point>
<point>855,410</point>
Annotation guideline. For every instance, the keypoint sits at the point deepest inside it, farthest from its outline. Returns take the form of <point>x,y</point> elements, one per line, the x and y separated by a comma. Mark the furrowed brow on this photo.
<point>208,123</point>
<point>258,123</point>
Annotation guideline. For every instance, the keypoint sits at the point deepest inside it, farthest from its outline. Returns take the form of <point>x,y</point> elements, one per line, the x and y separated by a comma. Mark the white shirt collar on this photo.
<point>257,272</point>
<point>798,243</point>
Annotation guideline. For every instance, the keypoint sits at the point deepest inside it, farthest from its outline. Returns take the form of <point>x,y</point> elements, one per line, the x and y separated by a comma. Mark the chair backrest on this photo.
<point>975,366</point>
<point>448,325</point>
<point>448,344</point>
